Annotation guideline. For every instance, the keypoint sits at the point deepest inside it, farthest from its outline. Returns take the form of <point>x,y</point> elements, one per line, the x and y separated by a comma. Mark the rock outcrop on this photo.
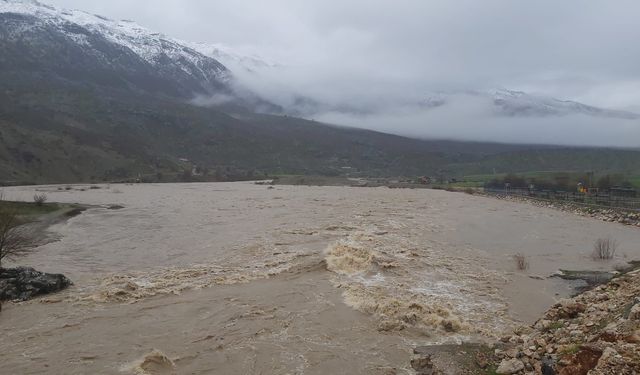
<point>23,283</point>
<point>595,333</point>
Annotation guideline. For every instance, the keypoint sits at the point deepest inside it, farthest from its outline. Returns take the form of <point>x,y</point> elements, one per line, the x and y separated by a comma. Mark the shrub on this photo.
<point>554,326</point>
<point>15,239</point>
<point>522,263</point>
<point>39,199</point>
<point>604,248</point>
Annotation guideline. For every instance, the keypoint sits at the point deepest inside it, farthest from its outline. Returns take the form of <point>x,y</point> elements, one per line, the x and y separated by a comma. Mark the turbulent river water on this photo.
<point>239,278</point>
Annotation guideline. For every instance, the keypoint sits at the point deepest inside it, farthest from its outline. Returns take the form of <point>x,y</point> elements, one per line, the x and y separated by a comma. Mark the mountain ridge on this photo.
<point>79,105</point>
<point>519,103</point>
<point>210,77</point>
<point>92,46</point>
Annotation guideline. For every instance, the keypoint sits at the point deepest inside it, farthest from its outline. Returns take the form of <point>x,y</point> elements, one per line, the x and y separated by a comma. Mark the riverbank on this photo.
<point>36,218</point>
<point>596,332</point>
<point>612,215</point>
<point>33,220</point>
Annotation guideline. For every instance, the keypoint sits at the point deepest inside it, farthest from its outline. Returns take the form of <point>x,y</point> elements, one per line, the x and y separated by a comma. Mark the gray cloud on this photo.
<point>474,118</point>
<point>384,53</point>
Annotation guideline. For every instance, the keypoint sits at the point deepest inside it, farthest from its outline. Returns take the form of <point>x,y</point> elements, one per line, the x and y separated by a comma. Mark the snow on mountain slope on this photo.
<point>149,45</point>
<point>231,58</point>
<point>221,72</point>
<point>153,48</point>
<point>520,104</point>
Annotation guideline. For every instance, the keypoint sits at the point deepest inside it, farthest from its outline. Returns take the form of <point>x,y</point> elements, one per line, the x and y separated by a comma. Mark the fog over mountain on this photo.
<point>382,65</point>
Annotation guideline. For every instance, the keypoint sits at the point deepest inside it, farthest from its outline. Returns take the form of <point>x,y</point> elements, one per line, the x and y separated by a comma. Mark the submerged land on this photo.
<point>249,278</point>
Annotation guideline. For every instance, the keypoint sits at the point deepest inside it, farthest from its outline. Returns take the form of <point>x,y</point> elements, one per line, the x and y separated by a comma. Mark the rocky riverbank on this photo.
<point>23,283</point>
<point>595,333</point>
<point>618,215</point>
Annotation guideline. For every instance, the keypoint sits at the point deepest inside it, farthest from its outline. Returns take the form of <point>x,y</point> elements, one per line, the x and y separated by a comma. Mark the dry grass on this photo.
<point>521,262</point>
<point>604,248</point>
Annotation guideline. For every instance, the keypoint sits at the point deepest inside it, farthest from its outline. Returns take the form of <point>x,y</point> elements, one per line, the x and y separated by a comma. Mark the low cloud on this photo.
<point>370,54</point>
<point>213,100</point>
<point>470,118</point>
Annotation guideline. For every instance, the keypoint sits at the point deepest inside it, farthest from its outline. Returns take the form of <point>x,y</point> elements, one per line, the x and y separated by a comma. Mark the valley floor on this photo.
<point>242,278</point>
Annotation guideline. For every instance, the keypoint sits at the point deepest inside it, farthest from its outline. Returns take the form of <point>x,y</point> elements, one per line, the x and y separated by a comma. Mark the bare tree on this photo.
<point>604,248</point>
<point>40,199</point>
<point>15,239</point>
<point>521,262</point>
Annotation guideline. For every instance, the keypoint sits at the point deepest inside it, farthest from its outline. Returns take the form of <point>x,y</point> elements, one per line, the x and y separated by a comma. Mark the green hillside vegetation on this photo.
<point>61,132</point>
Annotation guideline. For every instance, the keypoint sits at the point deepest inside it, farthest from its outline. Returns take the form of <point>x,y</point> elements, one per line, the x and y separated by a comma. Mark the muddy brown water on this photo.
<point>237,278</point>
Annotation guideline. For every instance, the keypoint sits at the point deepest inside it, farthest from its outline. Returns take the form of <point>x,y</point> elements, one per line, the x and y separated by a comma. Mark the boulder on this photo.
<point>634,312</point>
<point>582,362</point>
<point>569,309</point>
<point>23,283</point>
<point>510,366</point>
<point>422,364</point>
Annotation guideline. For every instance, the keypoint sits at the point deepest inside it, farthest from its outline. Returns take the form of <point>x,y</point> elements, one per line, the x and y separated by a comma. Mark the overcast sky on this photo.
<point>360,49</point>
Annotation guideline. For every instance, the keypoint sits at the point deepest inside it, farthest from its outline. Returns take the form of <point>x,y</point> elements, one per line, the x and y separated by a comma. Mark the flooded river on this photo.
<point>239,278</point>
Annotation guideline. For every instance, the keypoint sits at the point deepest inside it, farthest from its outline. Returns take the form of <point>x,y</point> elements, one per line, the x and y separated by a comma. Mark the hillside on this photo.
<point>84,98</point>
<point>73,134</point>
<point>69,134</point>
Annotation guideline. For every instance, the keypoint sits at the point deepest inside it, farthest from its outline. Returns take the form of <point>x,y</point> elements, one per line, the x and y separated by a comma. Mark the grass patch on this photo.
<point>30,211</point>
<point>30,208</point>
<point>570,349</point>
<point>635,181</point>
<point>554,326</point>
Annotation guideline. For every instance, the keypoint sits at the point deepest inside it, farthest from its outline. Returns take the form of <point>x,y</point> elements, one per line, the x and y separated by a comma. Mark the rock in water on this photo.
<point>155,363</point>
<point>23,283</point>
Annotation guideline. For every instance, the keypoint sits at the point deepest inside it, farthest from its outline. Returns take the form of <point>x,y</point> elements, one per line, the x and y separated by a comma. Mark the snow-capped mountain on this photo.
<point>40,42</point>
<point>231,58</point>
<point>73,45</point>
<point>496,103</point>
<point>520,104</point>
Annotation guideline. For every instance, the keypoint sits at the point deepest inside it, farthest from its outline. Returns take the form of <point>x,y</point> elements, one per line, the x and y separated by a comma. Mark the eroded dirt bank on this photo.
<point>242,278</point>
